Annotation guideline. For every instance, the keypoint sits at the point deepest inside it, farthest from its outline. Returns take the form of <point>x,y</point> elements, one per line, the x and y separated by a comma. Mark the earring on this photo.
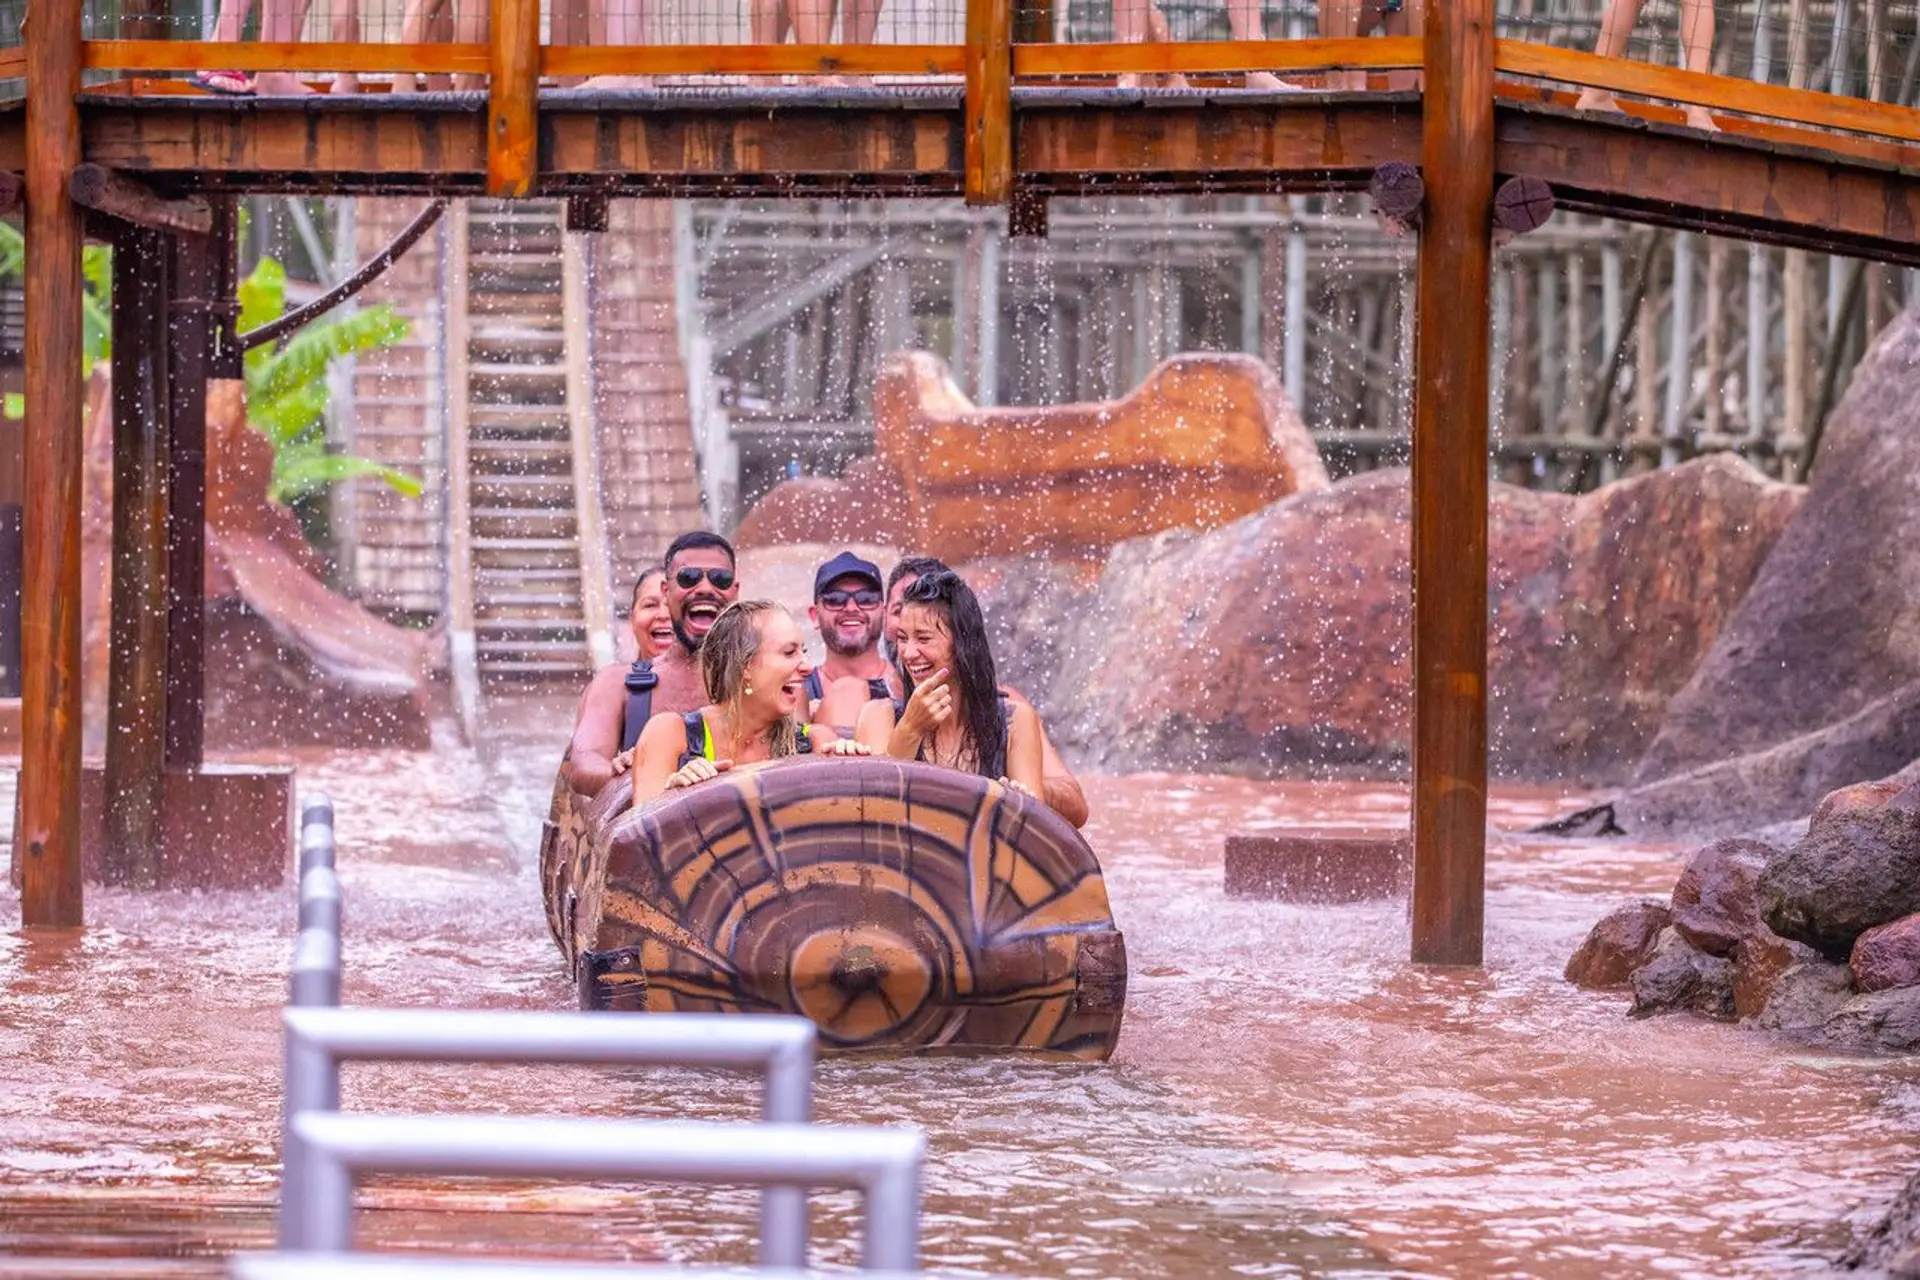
<point>747,691</point>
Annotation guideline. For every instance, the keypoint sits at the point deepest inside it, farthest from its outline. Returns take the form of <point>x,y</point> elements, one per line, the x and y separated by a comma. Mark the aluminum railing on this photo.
<point>324,1152</point>
<point>366,1266</point>
<point>319,1040</point>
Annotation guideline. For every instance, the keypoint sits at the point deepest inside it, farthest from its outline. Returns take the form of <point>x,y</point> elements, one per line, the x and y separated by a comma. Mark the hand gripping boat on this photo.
<point>897,905</point>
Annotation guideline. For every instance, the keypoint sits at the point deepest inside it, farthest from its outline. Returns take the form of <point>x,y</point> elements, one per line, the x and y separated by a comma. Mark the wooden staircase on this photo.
<point>546,407</point>
<point>528,589</point>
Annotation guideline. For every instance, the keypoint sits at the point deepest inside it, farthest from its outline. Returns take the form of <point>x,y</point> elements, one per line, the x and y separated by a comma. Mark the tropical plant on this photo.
<point>287,390</point>
<point>96,268</point>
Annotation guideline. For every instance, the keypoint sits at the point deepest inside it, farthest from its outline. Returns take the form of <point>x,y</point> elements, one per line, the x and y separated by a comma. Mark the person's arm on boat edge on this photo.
<point>1023,751</point>
<point>596,733</point>
<point>874,728</point>
<point>1061,790</point>
<point>656,760</point>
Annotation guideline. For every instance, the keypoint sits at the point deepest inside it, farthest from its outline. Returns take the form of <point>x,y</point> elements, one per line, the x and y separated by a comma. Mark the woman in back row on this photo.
<point>953,712</point>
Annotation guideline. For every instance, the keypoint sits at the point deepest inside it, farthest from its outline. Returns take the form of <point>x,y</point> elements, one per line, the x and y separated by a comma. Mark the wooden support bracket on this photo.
<point>97,187</point>
<point>1399,195</point>
<point>1027,215</point>
<point>989,110</point>
<point>1522,204</point>
<point>587,212</point>
<point>513,98</point>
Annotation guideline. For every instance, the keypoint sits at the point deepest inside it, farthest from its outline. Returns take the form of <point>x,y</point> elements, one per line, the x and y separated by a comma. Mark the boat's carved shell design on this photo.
<point>896,904</point>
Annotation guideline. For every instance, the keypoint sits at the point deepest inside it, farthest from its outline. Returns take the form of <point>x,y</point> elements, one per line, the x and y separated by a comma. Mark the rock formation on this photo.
<point>1204,440</point>
<point>288,661</point>
<point>1821,939</point>
<point>1815,681</point>
<point>1281,642</point>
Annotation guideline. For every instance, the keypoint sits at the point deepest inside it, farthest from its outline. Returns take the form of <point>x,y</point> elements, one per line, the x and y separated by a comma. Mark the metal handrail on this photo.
<point>318,1040</point>
<point>366,1266</point>
<point>882,1163</point>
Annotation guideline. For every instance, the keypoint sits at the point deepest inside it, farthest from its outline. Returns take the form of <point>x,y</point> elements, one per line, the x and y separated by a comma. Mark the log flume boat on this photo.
<point>897,905</point>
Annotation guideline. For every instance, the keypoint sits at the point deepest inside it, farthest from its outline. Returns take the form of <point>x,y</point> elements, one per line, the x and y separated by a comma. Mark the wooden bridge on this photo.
<point>1491,143</point>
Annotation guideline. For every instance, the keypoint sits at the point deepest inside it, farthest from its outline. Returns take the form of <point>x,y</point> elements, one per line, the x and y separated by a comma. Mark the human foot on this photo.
<point>280,84</point>
<point>1267,82</point>
<point>616,82</point>
<point>1596,100</point>
<point>1697,118</point>
<point>345,82</point>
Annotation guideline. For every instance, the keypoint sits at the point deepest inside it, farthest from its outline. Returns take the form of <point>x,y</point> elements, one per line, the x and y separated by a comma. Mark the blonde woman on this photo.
<point>753,662</point>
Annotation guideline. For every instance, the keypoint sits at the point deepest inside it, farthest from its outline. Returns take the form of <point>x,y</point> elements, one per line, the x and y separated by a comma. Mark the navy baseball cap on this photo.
<point>846,564</point>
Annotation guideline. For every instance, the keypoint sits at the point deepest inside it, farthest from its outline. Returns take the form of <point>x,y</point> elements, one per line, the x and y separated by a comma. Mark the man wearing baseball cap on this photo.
<point>848,608</point>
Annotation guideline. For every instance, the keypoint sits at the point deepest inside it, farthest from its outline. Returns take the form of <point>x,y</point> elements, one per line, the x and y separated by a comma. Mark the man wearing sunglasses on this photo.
<point>700,583</point>
<point>847,609</point>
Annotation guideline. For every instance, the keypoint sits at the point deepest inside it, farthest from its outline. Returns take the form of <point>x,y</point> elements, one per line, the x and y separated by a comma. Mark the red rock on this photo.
<point>1861,795</point>
<point>1827,630</point>
<point>1678,978</point>
<point>1203,441</point>
<point>1715,904</point>
<point>1887,956</point>
<point>1780,984</point>
<point>1621,942</point>
<point>1282,641</point>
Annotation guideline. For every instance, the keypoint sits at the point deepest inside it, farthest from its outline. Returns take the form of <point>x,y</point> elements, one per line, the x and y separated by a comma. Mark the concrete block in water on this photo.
<point>1319,866</point>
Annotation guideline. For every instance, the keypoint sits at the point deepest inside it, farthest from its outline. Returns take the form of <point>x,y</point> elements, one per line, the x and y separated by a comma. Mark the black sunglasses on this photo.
<point>865,597</point>
<point>689,577</point>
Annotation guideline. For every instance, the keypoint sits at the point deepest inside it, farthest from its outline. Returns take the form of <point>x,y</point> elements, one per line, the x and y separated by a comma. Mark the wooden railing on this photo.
<point>990,61</point>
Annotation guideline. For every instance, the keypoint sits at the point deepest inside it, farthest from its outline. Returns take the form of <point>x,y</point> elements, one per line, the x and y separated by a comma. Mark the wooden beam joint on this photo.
<point>1522,204</point>
<point>105,190</point>
<point>1399,196</point>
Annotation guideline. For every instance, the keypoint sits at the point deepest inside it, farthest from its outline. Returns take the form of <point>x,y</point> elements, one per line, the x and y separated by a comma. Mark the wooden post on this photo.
<point>989,114</point>
<point>137,703</point>
<point>513,98</point>
<point>47,845</point>
<point>1450,487</point>
<point>190,312</point>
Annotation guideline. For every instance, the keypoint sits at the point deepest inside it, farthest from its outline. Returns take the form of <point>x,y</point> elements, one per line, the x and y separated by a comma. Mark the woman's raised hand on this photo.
<point>930,706</point>
<point>697,770</point>
<point>845,747</point>
<point>623,762</point>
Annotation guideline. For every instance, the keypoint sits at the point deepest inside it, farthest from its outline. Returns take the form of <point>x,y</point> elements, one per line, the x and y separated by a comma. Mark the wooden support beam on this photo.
<point>47,846</point>
<point>989,102</point>
<point>135,778</point>
<point>513,98</point>
<point>1027,215</point>
<point>191,312</point>
<point>1451,386</point>
<point>587,212</point>
<point>130,200</point>
<point>1398,191</point>
<point>228,360</point>
<point>1522,204</point>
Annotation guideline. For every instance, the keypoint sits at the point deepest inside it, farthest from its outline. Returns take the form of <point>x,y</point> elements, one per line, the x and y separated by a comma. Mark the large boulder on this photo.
<point>1281,642</point>
<point>1878,1020</point>
<point>1715,901</point>
<point>1781,783</point>
<point>1681,979</point>
<point>1887,956</point>
<point>1622,941</point>
<point>1786,986</point>
<point>1831,626</point>
<point>1856,869</point>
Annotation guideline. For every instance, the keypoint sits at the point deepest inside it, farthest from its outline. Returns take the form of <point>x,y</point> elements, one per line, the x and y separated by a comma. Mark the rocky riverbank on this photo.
<point>1819,938</point>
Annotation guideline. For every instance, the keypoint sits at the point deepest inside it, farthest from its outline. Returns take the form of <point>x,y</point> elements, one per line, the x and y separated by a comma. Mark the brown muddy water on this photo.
<point>1289,1096</point>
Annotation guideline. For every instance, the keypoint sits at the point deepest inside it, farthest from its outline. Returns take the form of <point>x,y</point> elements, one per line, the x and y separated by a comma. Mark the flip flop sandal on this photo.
<point>231,84</point>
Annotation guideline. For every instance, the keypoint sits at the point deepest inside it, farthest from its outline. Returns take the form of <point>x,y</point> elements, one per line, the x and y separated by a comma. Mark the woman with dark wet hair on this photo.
<point>954,713</point>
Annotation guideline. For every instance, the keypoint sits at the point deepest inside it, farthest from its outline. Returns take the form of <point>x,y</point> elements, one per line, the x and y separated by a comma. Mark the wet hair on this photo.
<point>694,540</point>
<point>973,674</point>
<point>640,583</point>
<point>914,567</point>
<point>727,654</point>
